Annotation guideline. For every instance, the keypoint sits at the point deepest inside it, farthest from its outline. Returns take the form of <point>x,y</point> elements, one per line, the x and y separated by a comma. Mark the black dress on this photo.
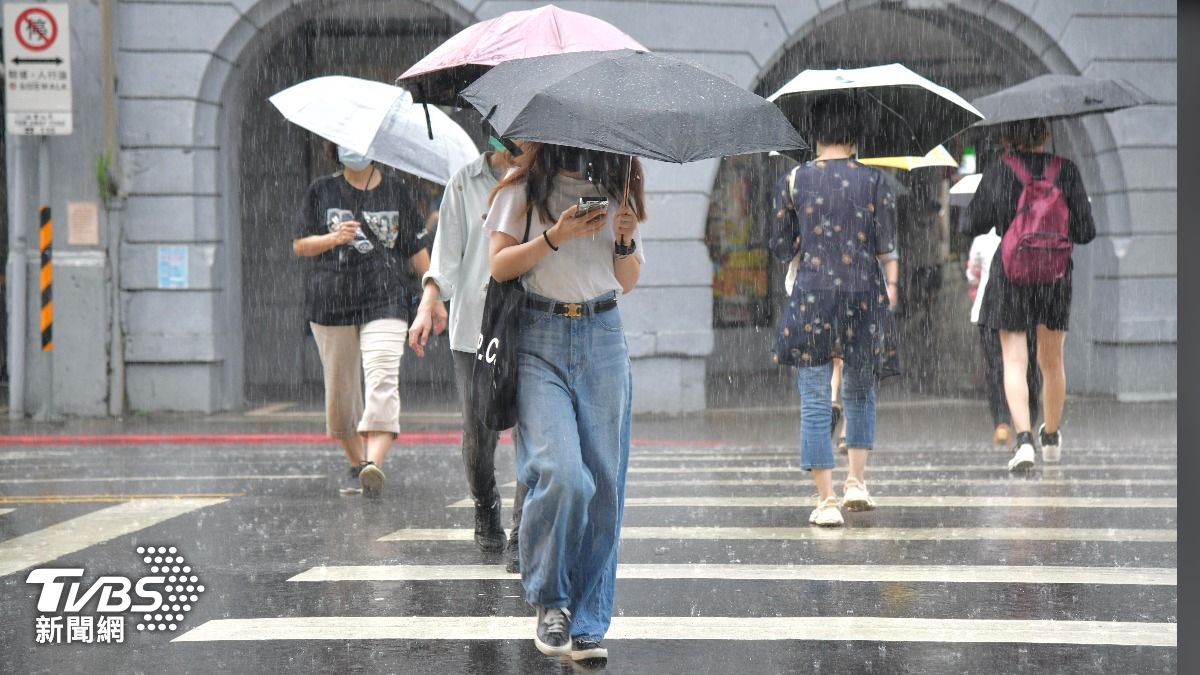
<point>1012,307</point>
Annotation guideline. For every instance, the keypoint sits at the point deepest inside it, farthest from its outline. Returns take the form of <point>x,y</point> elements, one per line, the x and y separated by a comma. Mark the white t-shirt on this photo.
<point>581,269</point>
<point>983,249</point>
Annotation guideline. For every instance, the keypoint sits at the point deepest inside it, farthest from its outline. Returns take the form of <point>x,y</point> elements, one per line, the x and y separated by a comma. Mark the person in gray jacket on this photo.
<point>458,272</point>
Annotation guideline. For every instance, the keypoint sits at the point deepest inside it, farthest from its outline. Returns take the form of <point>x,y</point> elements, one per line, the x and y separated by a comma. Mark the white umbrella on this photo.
<point>380,121</point>
<point>962,191</point>
<point>905,114</point>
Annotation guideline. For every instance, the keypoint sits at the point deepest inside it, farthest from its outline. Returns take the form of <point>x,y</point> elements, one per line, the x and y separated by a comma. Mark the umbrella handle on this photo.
<point>625,197</point>
<point>428,122</point>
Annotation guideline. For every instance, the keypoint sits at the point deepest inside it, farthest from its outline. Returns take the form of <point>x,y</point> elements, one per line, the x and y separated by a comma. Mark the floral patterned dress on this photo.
<point>837,215</point>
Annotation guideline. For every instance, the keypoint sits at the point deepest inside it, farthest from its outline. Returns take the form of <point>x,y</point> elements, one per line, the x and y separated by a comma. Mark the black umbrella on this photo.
<point>631,103</point>
<point>1049,96</point>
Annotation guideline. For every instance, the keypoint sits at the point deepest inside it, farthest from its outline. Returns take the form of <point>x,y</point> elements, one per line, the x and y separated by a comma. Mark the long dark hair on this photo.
<point>540,162</point>
<point>1025,134</point>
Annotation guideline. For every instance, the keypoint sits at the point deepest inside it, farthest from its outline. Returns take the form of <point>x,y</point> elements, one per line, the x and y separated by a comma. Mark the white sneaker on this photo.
<point>1051,445</point>
<point>827,514</point>
<point>1022,458</point>
<point>855,496</point>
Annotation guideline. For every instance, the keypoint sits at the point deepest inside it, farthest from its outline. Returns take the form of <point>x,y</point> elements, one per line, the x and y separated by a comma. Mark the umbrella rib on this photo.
<point>888,108</point>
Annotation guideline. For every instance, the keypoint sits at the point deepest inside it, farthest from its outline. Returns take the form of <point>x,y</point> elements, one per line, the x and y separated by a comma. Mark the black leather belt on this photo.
<point>571,310</point>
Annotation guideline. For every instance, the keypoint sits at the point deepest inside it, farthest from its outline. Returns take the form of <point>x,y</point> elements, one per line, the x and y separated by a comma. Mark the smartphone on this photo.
<point>587,204</point>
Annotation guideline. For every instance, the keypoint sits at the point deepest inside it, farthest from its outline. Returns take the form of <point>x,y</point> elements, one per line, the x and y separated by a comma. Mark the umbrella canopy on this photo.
<point>939,156</point>
<point>629,102</point>
<point>904,113</point>
<point>1048,96</point>
<point>471,52</point>
<point>962,191</point>
<point>380,121</point>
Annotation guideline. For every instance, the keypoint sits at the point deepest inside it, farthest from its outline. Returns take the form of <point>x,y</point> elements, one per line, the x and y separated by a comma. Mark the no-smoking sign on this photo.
<point>37,69</point>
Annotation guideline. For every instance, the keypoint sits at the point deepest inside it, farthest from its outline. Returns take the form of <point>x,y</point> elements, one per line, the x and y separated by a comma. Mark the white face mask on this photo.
<point>352,160</point>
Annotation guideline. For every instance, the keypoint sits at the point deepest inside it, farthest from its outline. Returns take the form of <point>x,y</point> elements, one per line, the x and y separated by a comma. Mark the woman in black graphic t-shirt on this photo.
<point>357,228</point>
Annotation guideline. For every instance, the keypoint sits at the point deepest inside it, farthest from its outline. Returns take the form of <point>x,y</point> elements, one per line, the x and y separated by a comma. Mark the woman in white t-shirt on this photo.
<point>574,387</point>
<point>979,262</point>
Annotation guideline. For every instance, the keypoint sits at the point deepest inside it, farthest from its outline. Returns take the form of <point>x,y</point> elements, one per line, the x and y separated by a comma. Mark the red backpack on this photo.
<point>1036,247</point>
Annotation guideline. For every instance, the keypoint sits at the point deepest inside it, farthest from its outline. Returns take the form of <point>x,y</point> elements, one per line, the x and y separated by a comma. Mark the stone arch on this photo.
<point>1023,40</point>
<point>260,25</point>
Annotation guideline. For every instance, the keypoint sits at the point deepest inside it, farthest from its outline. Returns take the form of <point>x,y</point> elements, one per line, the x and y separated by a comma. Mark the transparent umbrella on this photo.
<point>380,121</point>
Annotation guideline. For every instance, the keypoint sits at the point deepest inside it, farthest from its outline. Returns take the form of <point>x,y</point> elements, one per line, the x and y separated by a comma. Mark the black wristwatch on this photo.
<point>621,250</point>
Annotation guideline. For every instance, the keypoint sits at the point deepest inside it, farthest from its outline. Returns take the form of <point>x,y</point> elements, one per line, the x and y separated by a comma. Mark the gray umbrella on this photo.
<point>631,103</point>
<point>1048,96</point>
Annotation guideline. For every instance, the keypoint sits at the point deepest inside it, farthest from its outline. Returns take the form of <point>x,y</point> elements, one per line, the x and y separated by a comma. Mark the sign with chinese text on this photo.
<point>37,69</point>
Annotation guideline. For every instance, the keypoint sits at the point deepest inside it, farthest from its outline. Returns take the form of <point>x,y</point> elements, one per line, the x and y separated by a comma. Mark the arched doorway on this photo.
<point>949,45</point>
<point>270,163</point>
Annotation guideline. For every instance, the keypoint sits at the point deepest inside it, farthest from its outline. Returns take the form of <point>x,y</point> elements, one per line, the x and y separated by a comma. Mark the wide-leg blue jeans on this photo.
<point>574,393</point>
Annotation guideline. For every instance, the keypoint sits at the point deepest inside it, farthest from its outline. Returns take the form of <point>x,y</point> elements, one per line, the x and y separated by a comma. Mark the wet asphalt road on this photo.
<point>968,570</point>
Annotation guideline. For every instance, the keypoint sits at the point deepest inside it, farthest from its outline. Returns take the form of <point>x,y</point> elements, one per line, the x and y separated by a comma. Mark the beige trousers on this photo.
<point>347,352</point>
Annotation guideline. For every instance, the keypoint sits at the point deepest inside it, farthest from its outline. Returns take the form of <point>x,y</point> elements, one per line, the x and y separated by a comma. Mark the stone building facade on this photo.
<point>204,163</point>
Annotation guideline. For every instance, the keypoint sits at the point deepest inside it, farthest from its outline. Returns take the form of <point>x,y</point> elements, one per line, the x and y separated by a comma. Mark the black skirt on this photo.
<point>1014,307</point>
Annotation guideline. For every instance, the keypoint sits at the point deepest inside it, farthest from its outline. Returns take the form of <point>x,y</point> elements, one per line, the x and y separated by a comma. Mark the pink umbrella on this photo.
<point>471,52</point>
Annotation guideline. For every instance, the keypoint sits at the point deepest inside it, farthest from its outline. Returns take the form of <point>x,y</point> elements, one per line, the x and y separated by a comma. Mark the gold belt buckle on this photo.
<point>573,310</point>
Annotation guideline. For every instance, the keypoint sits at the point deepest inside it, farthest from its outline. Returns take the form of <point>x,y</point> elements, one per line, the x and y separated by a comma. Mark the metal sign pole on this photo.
<point>17,276</point>
<point>45,245</point>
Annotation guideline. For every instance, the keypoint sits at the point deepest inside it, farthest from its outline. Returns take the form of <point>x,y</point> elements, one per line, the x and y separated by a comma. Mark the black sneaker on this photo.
<point>370,477</point>
<point>588,650</point>
<point>553,637</point>
<point>489,535</point>
<point>1051,445</point>
<point>353,488</point>
<point>513,564</point>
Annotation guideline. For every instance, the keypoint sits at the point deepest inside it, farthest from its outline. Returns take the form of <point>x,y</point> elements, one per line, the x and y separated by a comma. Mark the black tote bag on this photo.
<point>494,375</point>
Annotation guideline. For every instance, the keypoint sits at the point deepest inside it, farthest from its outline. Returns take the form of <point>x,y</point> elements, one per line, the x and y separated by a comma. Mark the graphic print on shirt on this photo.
<point>385,225</point>
<point>335,217</point>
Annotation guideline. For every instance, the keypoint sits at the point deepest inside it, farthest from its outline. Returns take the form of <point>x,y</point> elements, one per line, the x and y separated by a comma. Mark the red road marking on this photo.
<point>415,437</point>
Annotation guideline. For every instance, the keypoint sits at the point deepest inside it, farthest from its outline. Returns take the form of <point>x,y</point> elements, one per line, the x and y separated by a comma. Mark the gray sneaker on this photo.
<point>371,479</point>
<point>553,637</point>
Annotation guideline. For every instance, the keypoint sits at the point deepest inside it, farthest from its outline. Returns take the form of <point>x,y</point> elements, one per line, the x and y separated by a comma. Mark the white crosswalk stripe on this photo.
<point>1009,574</point>
<point>902,468</point>
<point>76,534</point>
<point>848,533</point>
<point>875,629</point>
<point>931,501</point>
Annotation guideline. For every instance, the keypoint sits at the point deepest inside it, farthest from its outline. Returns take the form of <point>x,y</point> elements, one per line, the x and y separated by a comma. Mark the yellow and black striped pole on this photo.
<point>46,240</point>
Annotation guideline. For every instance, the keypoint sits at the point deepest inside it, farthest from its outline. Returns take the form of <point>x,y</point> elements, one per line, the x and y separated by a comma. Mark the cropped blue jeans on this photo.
<point>858,401</point>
